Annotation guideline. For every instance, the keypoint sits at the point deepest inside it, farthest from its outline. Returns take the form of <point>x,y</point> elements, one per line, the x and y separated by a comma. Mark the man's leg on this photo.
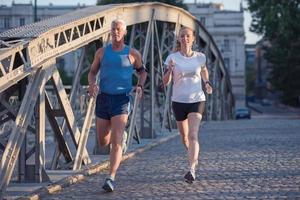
<point>103,131</point>
<point>183,130</point>
<point>118,124</point>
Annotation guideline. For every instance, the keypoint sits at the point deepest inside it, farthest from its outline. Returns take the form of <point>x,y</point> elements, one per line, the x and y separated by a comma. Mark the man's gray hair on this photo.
<point>119,21</point>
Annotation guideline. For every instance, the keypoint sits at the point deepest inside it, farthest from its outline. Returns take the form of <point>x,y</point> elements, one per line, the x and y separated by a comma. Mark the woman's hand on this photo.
<point>208,87</point>
<point>93,90</point>
<point>171,65</point>
<point>168,73</point>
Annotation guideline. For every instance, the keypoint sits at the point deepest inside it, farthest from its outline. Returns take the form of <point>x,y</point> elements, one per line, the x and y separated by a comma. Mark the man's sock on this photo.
<point>112,178</point>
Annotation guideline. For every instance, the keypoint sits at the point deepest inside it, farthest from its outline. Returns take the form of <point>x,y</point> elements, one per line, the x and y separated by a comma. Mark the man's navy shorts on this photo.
<point>109,105</point>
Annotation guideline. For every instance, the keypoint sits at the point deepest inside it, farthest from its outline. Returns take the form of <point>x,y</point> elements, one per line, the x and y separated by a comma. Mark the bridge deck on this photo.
<point>238,160</point>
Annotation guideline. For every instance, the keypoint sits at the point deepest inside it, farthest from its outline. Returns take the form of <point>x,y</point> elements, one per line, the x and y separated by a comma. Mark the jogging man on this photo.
<point>116,63</point>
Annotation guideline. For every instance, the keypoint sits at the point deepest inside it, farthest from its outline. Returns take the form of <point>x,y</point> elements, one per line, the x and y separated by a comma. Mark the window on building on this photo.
<point>22,21</point>
<point>6,23</point>
<point>202,20</point>
<point>226,45</point>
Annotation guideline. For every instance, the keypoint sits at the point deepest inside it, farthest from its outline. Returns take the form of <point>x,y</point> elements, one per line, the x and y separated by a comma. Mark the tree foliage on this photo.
<point>278,21</point>
<point>178,3</point>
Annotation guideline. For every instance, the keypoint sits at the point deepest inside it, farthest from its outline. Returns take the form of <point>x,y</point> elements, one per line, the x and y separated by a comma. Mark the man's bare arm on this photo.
<point>140,69</point>
<point>94,71</point>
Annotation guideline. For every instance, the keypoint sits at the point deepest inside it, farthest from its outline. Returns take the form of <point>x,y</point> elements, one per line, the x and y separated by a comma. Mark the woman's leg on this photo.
<point>180,113</point>
<point>194,120</point>
<point>183,130</point>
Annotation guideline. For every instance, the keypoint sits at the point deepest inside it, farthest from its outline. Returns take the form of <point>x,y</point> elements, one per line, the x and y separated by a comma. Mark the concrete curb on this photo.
<point>70,180</point>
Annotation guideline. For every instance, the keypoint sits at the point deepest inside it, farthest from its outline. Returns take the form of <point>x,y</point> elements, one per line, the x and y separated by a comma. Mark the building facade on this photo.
<point>227,29</point>
<point>20,14</point>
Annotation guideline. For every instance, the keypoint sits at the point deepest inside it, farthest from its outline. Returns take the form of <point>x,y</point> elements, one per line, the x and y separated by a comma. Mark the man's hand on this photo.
<point>93,90</point>
<point>139,91</point>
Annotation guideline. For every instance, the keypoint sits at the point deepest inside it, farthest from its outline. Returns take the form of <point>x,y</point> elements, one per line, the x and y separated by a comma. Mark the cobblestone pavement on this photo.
<point>244,159</point>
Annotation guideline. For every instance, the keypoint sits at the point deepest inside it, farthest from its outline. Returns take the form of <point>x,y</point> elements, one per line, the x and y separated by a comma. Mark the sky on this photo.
<point>251,38</point>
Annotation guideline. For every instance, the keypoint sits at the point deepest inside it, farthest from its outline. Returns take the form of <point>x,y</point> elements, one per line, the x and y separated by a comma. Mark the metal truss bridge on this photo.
<point>34,100</point>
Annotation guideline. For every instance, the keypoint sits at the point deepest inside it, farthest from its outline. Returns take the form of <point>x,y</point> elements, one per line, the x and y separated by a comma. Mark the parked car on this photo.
<point>243,113</point>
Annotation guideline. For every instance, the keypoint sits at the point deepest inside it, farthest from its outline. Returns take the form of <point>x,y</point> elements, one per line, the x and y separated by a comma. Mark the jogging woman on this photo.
<point>188,70</point>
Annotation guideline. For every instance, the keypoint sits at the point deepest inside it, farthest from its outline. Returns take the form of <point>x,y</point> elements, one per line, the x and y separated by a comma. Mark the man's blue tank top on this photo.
<point>116,71</point>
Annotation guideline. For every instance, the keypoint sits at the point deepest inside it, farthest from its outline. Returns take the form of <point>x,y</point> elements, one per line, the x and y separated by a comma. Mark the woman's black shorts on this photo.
<point>181,110</point>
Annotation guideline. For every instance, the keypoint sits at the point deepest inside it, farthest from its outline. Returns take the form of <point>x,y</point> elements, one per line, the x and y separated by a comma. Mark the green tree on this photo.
<point>278,21</point>
<point>178,3</point>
